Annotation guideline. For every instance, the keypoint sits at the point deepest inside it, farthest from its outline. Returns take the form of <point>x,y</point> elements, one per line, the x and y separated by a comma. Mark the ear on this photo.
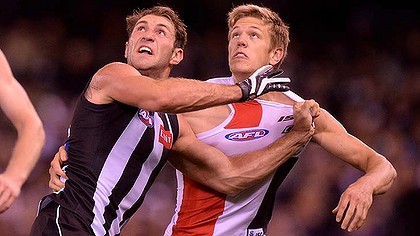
<point>126,50</point>
<point>276,55</point>
<point>177,56</point>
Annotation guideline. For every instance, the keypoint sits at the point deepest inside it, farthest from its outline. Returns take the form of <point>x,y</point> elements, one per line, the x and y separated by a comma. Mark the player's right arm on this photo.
<point>209,166</point>
<point>122,82</point>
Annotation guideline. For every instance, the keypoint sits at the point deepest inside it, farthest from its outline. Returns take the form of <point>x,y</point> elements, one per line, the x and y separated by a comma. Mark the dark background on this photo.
<point>358,59</point>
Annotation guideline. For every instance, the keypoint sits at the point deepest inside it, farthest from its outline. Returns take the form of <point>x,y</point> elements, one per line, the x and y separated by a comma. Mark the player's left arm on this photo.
<point>17,106</point>
<point>378,177</point>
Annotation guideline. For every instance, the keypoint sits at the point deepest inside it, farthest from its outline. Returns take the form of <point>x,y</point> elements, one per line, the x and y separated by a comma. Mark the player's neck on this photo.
<point>156,74</point>
<point>239,77</point>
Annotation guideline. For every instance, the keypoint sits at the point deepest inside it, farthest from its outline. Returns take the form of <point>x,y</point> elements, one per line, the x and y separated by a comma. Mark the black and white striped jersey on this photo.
<point>115,153</point>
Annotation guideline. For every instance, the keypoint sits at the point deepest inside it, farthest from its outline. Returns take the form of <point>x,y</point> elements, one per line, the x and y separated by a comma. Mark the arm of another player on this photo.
<point>379,175</point>
<point>17,106</point>
<point>209,166</point>
<point>122,82</point>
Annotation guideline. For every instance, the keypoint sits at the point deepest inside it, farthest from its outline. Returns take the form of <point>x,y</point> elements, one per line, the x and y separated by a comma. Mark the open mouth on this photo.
<point>145,50</point>
<point>239,55</point>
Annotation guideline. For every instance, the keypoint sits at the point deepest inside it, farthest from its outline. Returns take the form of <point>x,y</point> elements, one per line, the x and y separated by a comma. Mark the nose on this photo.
<point>147,36</point>
<point>241,41</point>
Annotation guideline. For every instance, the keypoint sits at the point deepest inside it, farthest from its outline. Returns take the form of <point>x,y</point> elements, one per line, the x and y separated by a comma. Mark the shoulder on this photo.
<point>221,80</point>
<point>112,71</point>
<point>115,68</point>
<point>103,81</point>
<point>293,96</point>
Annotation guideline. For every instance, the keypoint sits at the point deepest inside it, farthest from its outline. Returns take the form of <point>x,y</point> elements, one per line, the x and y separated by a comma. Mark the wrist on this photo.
<point>244,90</point>
<point>300,137</point>
<point>15,177</point>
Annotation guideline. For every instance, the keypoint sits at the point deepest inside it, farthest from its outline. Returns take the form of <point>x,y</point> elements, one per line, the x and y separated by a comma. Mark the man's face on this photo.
<point>249,46</point>
<point>151,44</point>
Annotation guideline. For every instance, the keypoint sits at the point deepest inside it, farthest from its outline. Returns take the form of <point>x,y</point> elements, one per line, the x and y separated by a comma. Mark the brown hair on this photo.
<point>279,30</point>
<point>180,27</point>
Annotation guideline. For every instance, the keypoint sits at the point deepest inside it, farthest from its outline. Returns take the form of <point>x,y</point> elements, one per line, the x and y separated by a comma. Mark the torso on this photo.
<point>234,129</point>
<point>107,145</point>
<point>206,119</point>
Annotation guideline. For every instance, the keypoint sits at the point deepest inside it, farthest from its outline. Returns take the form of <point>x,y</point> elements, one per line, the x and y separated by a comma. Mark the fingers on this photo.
<point>348,216</point>
<point>339,210</point>
<point>62,154</point>
<point>312,106</point>
<point>352,211</point>
<point>55,184</point>
<point>55,168</point>
<point>55,172</point>
<point>6,199</point>
<point>8,193</point>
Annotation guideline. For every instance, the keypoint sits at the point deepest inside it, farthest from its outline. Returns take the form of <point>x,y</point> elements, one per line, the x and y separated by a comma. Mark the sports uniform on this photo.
<point>107,145</point>
<point>249,126</point>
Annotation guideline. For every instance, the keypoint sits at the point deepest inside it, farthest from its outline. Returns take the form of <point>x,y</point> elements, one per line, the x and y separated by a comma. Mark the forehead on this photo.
<point>154,20</point>
<point>250,22</point>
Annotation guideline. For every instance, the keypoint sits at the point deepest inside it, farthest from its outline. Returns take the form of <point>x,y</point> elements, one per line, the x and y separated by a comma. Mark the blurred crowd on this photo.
<point>362,63</point>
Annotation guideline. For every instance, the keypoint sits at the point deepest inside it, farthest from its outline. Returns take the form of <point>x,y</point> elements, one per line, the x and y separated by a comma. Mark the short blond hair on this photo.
<point>279,30</point>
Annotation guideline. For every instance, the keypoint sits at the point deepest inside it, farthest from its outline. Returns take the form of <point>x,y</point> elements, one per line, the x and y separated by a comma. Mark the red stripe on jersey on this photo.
<point>199,212</point>
<point>247,114</point>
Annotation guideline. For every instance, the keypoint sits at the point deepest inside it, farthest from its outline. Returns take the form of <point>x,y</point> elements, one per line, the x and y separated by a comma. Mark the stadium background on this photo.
<point>358,59</point>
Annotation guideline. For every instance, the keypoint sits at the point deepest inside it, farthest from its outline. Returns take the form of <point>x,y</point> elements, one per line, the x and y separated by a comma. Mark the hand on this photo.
<point>262,81</point>
<point>304,114</point>
<point>9,191</point>
<point>56,172</point>
<point>353,207</point>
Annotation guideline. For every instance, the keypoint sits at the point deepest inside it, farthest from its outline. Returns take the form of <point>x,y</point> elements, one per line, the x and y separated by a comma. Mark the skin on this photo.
<point>30,135</point>
<point>249,42</point>
<point>249,49</point>
<point>121,82</point>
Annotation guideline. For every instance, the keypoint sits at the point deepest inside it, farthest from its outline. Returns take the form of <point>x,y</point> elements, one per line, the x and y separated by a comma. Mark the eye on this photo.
<point>254,35</point>
<point>161,32</point>
<point>235,35</point>
<point>141,28</point>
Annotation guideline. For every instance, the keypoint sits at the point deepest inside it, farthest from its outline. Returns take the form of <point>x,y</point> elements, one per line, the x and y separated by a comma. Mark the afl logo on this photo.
<point>146,118</point>
<point>247,135</point>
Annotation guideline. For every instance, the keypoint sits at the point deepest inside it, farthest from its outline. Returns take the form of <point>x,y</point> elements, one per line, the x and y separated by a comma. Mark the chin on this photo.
<point>240,68</point>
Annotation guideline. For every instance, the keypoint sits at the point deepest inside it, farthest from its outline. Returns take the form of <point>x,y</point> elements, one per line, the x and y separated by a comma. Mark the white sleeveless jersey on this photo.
<point>250,126</point>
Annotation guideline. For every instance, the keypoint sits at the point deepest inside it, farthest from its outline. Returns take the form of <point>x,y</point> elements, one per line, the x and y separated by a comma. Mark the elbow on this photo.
<point>229,190</point>
<point>36,130</point>
<point>390,177</point>
<point>232,192</point>
<point>40,134</point>
<point>393,173</point>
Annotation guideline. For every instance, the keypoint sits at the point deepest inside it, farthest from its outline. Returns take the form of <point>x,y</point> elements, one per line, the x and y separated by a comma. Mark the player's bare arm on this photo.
<point>378,176</point>
<point>211,167</point>
<point>30,139</point>
<point>123,83</point>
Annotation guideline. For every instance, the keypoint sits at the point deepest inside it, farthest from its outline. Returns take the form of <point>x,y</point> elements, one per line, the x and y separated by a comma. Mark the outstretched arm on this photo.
<point>15,103</point>
<point>122,82</point>
<point>379,174</point>
<point>211,167</point>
